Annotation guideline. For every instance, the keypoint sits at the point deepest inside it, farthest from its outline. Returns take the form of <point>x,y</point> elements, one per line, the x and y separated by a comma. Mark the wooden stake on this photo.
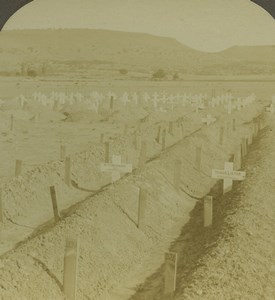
<point>244,147</point>
<point>141,208</point>
<point>237,159</point>
<point>198,158</point>
<point>107,152</point>
<point>170,130</point>
<point>221,135</point>
<point>70,269</point>
<point>163,142</point>
<point>102,138</point>
<point>142,156</point>
<point>227,183</point>
<point>11,125</point>
<point>111,103</point>
<point>68,171</point>
<point>54,204</point>
<point>234,124</point>
<point>125,129</point>
<point>1,207</point>
<point>18,167</point>
<point>177,174</point>
<point>158,135</point>
<point>208,211</point>
<point>62,152</point>
<point>170,273</point>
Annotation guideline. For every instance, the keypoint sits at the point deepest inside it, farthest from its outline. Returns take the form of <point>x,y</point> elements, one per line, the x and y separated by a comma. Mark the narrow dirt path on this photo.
<point>235,259</point>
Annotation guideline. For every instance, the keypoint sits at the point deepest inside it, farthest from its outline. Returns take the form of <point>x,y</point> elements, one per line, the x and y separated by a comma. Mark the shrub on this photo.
<point>159,74</point>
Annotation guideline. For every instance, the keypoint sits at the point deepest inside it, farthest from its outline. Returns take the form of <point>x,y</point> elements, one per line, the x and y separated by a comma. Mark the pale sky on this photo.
<point>208,25</point>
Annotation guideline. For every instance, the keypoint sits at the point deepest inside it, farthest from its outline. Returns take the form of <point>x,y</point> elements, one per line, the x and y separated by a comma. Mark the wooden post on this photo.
<point>62,152</point>
<point>237,159</point>
<point>198,158</point>
<point>101,138</point>
<point>170,273</point>
<point>177,174</point>
<point>221,135</point>
<point>112,103</point>
<point>70,269</point>
<point>141,208</point>
<point>1,207</point>
<point>107,152</point>
<point>18,167</point>
<point>170,130</point>
<point>125,129</point>
<point>158,134</point>
<point>208,210</point>
<point>11,125</point>
<point>142,156</point>
<point>244,147</point>
<point>227,183</point>
<point>68,171</point>
<point>234,124</point>
<point>163,142</point>
<point>54,204</point>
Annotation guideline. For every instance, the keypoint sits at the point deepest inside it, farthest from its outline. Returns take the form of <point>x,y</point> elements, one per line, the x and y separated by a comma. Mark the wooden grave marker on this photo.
<point>142,156</point>
<point>70,269</point>
<point>54,204</point>
<point>238,159</point>
<point>170,128</point>
<point>244,147</point>
<point>101,138</point>
<point>1,207</point>
<point>228,175</point>
<point>116,167</point>
<point>112,103</point>
<point>271,108</point>
<point>11,124</point>
<point>158,134</point>
<point>234,124</point>
<point>209,120</point>
<point>177,174</point>
<point>221,137</point>
<point>170,273</point>
<point>141,208</point>
<point>208,211</point>
<point>198,158</point>
<point>107,152</point>
<point>68,171</point>
<point>163,141</point>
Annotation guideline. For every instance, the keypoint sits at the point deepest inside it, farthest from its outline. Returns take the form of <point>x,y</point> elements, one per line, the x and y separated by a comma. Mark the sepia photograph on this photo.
<point>137,150</point>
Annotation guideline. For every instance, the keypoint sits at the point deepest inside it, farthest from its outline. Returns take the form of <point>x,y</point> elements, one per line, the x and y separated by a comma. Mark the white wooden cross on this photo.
<point>271,108</point>
<point>116,167</point>
<point>209,120</point>
<point>228,175</point>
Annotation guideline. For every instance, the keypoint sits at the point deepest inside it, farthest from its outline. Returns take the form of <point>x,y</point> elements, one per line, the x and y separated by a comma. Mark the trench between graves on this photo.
<point>195,241</point>
<point>190,156</point>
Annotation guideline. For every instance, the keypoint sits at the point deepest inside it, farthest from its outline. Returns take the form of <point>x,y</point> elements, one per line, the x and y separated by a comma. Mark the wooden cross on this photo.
<point>271,108</point>
<point>116,167</point>
<point>228,175</point>
<point>209,120</point>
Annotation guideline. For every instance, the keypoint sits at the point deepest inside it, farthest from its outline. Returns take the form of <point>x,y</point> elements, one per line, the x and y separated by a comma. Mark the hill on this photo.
<point>82,51</point>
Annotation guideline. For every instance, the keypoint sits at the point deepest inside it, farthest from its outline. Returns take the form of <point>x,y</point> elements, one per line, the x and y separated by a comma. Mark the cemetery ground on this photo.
<point>118,246</point>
